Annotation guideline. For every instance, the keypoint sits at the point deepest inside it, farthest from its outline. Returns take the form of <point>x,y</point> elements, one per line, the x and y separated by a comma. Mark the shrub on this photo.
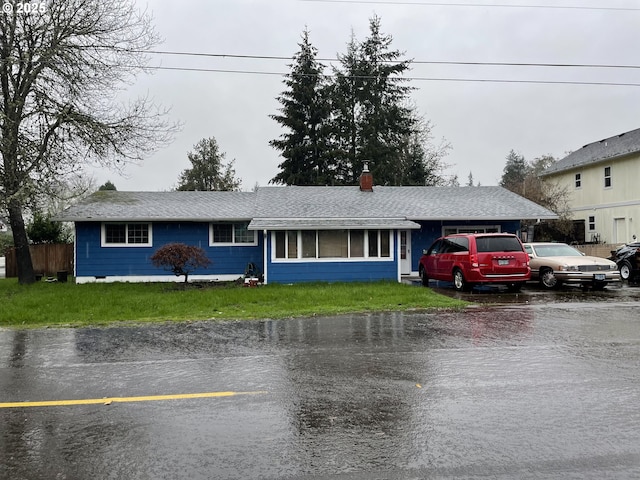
<point>180,258</point>
<point>44,230</point>
<point>6,242</point>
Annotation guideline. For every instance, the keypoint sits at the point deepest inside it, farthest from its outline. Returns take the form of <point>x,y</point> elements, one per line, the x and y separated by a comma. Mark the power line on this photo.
<point>484,5</point>
<point>413,62</point>
<point>425,79</point>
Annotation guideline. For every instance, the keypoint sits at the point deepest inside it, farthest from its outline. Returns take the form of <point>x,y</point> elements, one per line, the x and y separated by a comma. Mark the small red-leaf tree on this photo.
<point>180,258</point>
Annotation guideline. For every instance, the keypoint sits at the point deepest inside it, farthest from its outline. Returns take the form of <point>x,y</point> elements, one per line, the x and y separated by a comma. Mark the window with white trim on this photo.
<point>231,233</point>
<point>116,234</point>
<point>578,180</point>
<point>607,177</point>
<point>332,244</point>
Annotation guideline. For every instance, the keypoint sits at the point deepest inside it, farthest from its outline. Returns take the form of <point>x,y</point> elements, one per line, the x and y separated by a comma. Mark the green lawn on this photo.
<point>45,304</point>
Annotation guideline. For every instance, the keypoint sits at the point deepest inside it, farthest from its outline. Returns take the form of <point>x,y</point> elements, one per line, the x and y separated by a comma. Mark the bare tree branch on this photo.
<point>62,70</point>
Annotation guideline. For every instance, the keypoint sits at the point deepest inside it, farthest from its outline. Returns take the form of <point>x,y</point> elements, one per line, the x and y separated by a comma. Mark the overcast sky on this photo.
<point>482,120</point>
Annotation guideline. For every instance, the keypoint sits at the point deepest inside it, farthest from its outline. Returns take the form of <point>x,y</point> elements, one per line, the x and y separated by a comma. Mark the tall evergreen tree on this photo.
<point>514,173</point>
<point>208,172</point>
<point>386,120</point>
<point>304,115</point>
<point>346,92</point>
<point>362,115</point>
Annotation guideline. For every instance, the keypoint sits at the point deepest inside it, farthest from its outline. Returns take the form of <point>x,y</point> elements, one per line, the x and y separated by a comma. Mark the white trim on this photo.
<point>316,259</point>
<point>233,233</point>
<point>103,235</point>
<point>602,206</point>
<point>157,278</point>
<point>399,263</point>
<point>265,269</point>
<point>333,260</point>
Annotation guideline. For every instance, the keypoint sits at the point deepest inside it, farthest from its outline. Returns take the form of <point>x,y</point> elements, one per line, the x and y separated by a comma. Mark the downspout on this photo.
<point>265,259</point>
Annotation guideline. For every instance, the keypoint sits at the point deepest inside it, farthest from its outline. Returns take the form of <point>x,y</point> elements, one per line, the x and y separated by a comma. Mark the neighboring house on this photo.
<point>292,234</point>
<point>603,182</point>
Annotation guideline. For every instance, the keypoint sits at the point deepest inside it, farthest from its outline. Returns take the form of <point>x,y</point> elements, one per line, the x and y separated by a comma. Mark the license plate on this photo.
<point>503,262</point>
<point>600,276</point>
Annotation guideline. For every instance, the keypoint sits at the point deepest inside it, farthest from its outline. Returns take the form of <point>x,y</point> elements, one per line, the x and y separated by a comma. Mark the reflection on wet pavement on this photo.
<point>524,390</point>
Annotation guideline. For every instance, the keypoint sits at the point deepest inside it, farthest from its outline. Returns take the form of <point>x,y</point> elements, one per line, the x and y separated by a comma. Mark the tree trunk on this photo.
<point>26,274</point>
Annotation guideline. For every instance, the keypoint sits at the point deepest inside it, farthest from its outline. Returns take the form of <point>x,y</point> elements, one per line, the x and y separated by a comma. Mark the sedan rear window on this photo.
<point>498,244</point>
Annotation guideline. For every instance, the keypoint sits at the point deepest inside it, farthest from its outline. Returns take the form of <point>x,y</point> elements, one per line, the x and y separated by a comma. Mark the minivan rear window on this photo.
<point>498,244</point>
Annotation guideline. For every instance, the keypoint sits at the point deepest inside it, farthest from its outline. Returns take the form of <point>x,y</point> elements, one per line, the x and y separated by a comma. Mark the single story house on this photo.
<point>291,234</point>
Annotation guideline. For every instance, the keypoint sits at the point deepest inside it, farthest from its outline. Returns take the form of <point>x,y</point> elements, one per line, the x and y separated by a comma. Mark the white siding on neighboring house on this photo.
<point>603,181</point>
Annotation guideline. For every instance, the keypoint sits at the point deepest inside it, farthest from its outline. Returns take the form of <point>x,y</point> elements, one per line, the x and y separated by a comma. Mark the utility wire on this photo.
<point>483,5</point>
<point>413,62</point>
<point>429,79</point>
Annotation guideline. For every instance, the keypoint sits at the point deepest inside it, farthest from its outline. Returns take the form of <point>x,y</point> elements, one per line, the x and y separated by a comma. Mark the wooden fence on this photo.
<point>47,260</point>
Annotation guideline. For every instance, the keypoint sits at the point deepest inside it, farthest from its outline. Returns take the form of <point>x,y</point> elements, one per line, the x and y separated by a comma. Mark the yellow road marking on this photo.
<point>110,400</point>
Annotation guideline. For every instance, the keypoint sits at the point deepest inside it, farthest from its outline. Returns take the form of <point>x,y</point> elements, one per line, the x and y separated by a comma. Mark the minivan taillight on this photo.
<point>473,258</point>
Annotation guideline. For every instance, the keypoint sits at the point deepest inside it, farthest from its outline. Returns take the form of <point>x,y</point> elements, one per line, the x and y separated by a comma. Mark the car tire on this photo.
<point>548,279</point>
<point>424,277</point>
<point>625,270</point>
<point>459,283</point>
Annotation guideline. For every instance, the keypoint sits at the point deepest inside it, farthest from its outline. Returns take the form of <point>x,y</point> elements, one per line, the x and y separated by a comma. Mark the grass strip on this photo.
<point>68,304</point>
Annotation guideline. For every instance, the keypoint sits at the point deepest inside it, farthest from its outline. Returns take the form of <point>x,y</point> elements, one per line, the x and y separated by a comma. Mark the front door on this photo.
<point>405,252</point>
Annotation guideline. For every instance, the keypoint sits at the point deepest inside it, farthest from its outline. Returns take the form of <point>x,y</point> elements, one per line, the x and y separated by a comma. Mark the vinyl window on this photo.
<point>607,177</point>
<point>126,234</point>
<point>332,244</point>
<point>232,233</point>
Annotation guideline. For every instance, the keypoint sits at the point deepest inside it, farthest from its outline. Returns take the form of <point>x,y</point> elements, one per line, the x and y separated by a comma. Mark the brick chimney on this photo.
<point>366,179</point>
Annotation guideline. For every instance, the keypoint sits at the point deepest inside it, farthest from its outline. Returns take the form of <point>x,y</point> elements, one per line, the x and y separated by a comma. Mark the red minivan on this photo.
<point>472,259</point>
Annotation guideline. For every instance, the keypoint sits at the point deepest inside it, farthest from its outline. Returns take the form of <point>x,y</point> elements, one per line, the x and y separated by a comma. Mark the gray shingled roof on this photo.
<point>112,205</point>
<point>606,149</point>
<point>311,205</point>
<point>413,203</point>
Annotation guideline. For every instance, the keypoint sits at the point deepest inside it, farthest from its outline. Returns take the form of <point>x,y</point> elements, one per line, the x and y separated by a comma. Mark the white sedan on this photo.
<point>553,264</point>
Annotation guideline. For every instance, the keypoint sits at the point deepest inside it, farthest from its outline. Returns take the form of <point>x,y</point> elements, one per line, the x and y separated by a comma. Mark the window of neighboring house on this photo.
<point>578,180</point>
<point>592,223</point>
<point>332,244</point>
<point>607,177</point>
<point>232,233</point>
<point>452,230</point>
<point>126,234</point>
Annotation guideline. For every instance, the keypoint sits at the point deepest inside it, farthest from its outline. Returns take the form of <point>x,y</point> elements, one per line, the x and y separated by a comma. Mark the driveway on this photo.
<point>545,389</point>
<point>533,293</point>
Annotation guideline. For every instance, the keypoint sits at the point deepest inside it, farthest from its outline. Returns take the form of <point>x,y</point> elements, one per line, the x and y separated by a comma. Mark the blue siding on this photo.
<point>333,271</point>
<point>94,260</point>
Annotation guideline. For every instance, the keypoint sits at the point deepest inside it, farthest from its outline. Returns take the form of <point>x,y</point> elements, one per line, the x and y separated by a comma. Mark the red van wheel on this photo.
<point>424,277</point>
<point>459,283</point>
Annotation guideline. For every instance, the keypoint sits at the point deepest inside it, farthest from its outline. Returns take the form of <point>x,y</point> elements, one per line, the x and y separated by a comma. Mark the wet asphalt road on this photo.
<point>534,385</point>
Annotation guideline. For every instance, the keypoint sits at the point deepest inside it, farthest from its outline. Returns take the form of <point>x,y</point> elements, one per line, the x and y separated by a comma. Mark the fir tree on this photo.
<point>386,120</point>
<point>304,115</point>
<point>208,172</point>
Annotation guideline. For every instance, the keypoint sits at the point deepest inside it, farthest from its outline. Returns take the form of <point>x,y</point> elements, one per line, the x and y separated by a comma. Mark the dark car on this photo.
<point>627,258</point>
<point>475,259</point>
